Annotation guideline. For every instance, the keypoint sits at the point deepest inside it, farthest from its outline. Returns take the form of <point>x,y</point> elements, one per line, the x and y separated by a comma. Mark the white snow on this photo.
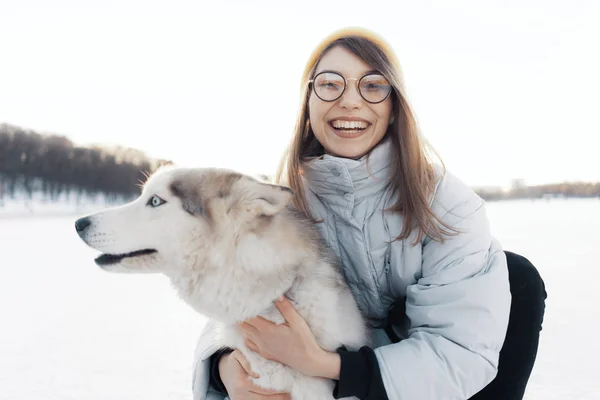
<point>67,203</point>
<point>73,331</point>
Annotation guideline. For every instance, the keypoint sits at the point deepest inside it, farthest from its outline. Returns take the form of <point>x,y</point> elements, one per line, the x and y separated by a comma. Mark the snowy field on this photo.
<point>72,331</point>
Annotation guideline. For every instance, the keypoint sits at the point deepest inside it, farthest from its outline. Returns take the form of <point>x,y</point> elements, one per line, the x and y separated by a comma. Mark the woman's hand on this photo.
<point>291,343</point>
<point>235,373</point>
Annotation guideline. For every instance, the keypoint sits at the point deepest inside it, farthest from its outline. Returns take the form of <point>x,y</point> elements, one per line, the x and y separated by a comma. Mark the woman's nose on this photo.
<point>351,98</point>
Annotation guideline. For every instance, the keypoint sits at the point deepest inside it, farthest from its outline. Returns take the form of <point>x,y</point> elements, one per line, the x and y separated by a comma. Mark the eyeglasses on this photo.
<point>330,86</point>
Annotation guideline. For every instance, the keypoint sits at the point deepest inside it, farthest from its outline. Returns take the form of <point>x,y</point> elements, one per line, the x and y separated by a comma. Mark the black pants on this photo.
<point>519,351</point>
<point>522,338</point>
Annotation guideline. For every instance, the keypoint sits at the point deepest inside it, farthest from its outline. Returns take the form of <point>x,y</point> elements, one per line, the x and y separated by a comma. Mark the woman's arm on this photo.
<point>215,378</point>
<point>458,309</point>
<point>359,375</point>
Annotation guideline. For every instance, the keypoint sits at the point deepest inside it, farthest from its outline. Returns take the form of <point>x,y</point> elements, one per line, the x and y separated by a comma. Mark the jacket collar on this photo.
<point>347,179</point>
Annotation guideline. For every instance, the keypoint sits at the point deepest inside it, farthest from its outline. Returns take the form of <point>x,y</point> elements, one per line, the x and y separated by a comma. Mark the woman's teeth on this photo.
<point>349,125</point>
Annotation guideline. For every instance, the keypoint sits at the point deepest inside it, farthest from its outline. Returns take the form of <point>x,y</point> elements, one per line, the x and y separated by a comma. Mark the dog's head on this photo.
<point>184,218</point>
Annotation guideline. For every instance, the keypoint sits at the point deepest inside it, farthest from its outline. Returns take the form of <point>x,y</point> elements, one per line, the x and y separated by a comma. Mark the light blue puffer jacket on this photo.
<point>457,292</point>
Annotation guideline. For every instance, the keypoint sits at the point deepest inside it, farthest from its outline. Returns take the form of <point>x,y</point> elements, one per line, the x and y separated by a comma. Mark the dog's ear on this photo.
<point>268,199</point>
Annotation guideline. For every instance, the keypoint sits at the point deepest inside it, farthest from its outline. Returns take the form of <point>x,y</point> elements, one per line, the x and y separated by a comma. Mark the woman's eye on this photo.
<point>155,201</point>
<point>329,85</point>
<point>374,86</point>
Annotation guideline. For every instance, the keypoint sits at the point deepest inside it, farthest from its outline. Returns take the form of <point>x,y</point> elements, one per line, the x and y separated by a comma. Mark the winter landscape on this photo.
<point>96,95</point>
<point>73,331</point>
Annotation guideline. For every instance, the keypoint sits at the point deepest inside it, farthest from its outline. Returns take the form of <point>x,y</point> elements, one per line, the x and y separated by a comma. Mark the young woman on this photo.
<point>415,246</point>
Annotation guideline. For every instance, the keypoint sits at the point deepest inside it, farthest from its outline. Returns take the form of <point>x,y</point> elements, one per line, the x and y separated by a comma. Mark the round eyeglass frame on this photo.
<point>311,86</point>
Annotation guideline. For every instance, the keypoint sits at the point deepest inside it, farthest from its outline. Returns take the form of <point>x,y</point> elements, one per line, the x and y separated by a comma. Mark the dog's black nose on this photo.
<point>82,223</point>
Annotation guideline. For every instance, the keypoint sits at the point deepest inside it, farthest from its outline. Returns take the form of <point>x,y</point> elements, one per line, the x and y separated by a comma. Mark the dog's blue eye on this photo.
<point>155,201</point>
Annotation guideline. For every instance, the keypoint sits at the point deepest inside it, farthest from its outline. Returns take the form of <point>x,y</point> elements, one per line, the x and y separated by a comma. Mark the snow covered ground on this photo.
<point>40,205</point>
<point>72,331</point>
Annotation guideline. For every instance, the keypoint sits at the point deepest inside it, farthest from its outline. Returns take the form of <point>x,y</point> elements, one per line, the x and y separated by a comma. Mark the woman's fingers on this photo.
<point>289,313</point>
<point>244,363</point>
<point>250,327</point>
<point>254,388</point>
<point>248,386</point>
<point>251,345</point>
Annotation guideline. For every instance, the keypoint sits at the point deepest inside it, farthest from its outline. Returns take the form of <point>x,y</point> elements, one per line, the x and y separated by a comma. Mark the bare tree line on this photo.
<point>51,164</point>
<point>552,190</point>
<point>32,162</point>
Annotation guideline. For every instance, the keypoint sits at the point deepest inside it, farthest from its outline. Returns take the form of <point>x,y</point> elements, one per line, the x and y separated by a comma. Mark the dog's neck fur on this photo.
<point>252,267</point>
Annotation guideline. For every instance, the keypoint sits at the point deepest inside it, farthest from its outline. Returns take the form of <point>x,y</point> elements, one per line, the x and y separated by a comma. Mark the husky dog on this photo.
<point>231,245</point>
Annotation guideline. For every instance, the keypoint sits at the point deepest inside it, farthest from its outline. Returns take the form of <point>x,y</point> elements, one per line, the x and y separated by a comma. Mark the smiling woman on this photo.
<point>363,112</point>
<point>414,244</point>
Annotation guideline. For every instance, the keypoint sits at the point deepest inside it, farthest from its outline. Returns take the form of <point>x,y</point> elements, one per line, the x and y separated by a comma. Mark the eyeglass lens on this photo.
<point>330,86</point>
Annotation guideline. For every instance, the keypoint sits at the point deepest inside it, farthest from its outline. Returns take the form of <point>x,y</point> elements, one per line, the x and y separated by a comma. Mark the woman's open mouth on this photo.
<point>349,129</point>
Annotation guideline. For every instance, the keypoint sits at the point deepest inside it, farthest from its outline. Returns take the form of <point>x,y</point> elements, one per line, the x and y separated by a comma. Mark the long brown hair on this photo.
<point>412,171</point>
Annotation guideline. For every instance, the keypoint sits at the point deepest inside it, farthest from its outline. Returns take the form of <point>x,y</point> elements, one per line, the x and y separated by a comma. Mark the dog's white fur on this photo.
<point>231,245</point>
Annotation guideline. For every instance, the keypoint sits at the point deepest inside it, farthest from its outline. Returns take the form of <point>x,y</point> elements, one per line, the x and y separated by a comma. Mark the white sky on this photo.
<point>503,89</point>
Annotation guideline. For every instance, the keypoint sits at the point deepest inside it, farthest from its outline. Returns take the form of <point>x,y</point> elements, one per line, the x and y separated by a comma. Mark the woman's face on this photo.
<point>348,127</point>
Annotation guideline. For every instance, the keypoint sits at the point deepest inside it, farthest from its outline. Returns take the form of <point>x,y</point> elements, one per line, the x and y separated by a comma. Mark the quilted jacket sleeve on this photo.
<point>458,309</point>
<point>207,345</point>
